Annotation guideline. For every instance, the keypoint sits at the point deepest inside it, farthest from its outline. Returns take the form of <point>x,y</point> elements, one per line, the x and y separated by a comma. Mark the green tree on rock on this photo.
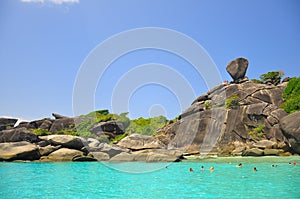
<point>291,96</point>
<point>273,77</point>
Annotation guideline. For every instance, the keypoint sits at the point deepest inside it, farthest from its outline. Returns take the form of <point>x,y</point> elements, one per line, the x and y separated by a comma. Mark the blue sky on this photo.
<point>44,43</point>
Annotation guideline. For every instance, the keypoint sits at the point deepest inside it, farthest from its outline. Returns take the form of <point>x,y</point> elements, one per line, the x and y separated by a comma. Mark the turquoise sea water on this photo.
<point>98,180</point>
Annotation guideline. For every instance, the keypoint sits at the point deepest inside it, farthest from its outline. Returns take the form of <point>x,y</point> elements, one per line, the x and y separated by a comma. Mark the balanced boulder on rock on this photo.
<point>237,69</point>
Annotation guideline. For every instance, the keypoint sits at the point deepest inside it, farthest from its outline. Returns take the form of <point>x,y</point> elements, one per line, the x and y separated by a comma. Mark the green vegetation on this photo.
<point>257,81</point>
<point>232,101</point>
<point>257,132</point>
<point>119,137</point>
<point>91,119</point>
<point>40,132</point>
<point>102,138</point>
<point>86,134</point>
<point>123,118</point>
<point>207,105</point>
<point>291,96</point>
<point>147,126</point>
<point>8,127</point>
<point>85,125</point>
<point>86,122</point>
<point>98,112</point>
<point>273,77</point>
<point>67,132</point>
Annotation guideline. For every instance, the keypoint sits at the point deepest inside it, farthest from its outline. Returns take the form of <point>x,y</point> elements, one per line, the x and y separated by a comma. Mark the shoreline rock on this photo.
<point>240,118</point>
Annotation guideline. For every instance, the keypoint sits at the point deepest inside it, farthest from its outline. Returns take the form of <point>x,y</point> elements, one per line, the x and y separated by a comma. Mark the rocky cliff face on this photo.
<point>238,118</point>
<point>230,117</point>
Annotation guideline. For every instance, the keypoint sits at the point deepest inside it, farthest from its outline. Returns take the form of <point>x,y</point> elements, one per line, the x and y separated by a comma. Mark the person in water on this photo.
<point>239,165</point>
<point>211,169</point>
<point>191,170</point>
<point>254,169</point>
<point>202,168</point>
<point>294,163</point>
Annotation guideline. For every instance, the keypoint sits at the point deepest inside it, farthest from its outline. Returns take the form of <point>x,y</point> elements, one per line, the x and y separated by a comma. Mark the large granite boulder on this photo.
<point>46,150</point>
<point>265,144</point>
<point>158,157</point>
<point>67,141</point>
<point>139,142</point>
<point>18,151</point>
<point>272,152</point>
<point>100,156</point>
<point>58,116</point>
<point>108,128</point>
<point>17,135</point>
<point>92,142</point>
<point>237,69</point>
<point>47,123</point>
<point>61,124</point>
<point>63,154</point>
<point>111,150</point>
<point>123,157</point>
<point>290,126</point>
<point>253,152</point>
<point>6,123</point>
<point>84,159</point>
<point>41,124</point>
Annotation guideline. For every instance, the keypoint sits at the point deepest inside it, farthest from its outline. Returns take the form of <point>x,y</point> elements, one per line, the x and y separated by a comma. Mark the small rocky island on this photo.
<point>241,118</point>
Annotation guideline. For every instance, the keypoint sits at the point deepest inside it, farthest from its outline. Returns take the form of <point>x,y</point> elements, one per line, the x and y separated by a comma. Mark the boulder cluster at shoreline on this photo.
<point>240,118</point>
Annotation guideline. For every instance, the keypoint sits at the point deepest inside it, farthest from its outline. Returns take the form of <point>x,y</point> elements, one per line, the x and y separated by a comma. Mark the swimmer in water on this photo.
<point>294,163</point>
<point>239,165</point>
<point>211,169</point>
<point>254,169</point>
<point>191,170</point>
<point>202,168</point>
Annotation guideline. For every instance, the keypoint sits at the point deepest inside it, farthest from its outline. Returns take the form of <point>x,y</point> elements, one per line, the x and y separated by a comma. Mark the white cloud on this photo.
<point>50,1</point>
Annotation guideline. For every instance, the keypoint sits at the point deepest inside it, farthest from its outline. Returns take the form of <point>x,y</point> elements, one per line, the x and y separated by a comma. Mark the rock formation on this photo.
<point>140,142</point>
<point>6,123</point>
<point>238,118</point>
<point>233,119</point>
<point>17,135</point>
<point>18,151</point>
<point>246,112</point>
<point>290,126</point>
<point>68,141</point>
<point>237,69</point>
